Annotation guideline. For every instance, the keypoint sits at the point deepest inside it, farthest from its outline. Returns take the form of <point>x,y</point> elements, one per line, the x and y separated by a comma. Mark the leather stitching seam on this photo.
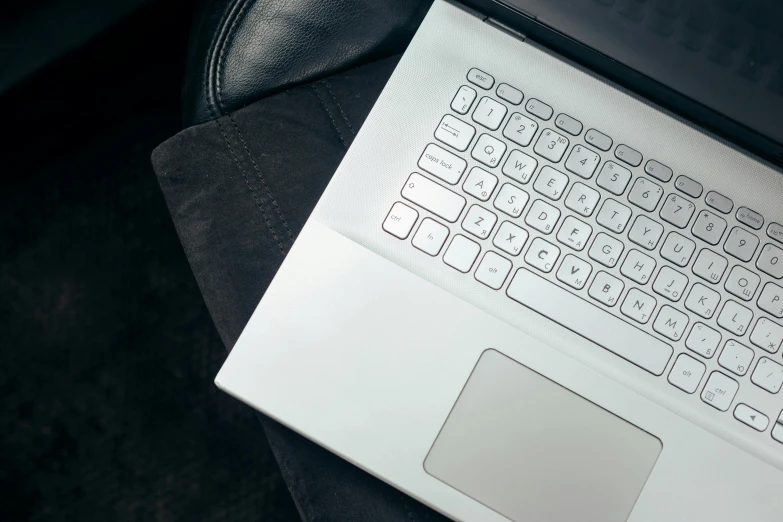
<point>329,114</point>
<point>262,178</point>
<point>339,107</point>
<point>252,191</point>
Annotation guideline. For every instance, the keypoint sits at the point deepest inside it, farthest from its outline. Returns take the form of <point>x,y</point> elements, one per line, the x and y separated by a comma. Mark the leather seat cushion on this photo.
<point>243,50</point>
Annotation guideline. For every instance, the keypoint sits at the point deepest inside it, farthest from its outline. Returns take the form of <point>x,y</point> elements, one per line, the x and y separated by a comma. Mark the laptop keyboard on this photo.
<point>604,241</point>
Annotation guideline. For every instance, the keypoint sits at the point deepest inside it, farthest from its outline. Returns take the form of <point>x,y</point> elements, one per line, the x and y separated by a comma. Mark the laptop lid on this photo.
<point>718,63</point>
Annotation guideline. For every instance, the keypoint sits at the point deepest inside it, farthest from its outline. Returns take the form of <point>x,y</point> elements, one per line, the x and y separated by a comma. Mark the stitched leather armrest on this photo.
<point>243,50</point>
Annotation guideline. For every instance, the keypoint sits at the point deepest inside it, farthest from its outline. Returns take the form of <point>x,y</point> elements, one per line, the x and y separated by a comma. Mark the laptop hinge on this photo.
<point>506,29</point>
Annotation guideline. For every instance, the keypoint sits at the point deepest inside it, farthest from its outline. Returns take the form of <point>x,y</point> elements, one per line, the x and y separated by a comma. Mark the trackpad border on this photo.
<point>529,448</point>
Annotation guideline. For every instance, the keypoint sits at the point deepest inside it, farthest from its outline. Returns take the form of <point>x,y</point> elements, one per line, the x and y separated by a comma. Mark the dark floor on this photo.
<point>108,410</point>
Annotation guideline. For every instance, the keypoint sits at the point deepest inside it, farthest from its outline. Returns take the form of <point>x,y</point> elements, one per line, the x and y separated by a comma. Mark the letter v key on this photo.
<point>574,272</point>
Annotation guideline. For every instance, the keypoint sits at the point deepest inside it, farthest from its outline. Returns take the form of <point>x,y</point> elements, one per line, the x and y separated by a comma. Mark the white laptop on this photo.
<point>530,294</point>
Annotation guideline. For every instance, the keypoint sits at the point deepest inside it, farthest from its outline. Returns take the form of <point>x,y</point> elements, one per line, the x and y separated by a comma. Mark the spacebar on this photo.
<point>589,321</point>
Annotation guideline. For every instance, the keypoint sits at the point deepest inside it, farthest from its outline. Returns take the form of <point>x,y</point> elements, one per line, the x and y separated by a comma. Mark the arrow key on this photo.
<point>750,417</point>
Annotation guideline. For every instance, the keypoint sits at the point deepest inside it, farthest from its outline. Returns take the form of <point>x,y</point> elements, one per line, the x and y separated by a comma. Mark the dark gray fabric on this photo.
<point>239,189</point>
<point>242,50</point>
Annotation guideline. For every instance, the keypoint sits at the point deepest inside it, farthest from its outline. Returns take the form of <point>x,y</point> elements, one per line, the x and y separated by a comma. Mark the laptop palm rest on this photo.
<point>532,450</point>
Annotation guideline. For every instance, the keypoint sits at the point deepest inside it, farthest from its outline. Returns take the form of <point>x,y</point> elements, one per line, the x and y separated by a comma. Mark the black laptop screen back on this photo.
<point>726,55</point>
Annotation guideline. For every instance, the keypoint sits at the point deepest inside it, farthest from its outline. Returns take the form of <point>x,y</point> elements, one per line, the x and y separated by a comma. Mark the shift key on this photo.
<point>433,197</point>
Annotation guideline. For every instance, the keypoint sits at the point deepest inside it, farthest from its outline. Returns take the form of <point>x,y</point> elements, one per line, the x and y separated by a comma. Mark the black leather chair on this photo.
<point>244,50</point>
<point>274,94</point>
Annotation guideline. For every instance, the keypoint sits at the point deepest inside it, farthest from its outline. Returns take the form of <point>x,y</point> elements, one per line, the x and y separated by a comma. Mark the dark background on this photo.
<point>107,350</point>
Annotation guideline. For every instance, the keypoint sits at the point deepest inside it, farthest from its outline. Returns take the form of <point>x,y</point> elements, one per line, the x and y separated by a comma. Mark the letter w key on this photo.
<point>519,166</point>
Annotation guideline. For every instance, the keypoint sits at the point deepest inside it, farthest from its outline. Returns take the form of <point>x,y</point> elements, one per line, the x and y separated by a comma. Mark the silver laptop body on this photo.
<point>528,294</point>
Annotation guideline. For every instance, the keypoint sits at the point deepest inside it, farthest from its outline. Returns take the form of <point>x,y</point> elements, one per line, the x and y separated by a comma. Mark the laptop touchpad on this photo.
<point>530,449</point>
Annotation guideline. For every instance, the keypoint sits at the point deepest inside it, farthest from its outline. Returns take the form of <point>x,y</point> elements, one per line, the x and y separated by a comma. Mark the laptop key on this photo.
<point>489,113</point>
<point>454,132</point>
<point>480,78</point>
<point>433,197</point>
<point>686,373</point>
<point>582,161</point>
<point>574,271</point>
<point>742,282</point>
<point>570,125</point>
<point>511,200</point>
<point>678,249</point>
<point>551,183</point>
<point>614,216</point>
<point>510,238</point>
<point>751,218</point>
<point>606,289</point>
<point>582,199</point>
<point>542,255</point>
<point>719,392</point>
<point>777,431</point>
<point>493,270</point>
<point>613,177</point>
<point>709,227</point>
<point>430,237</point>
<point>771,261</point>
<point>775,231</point>
<point>703,340</point>
<point>741,244</point>
<point>687,185</point>
<point>463,100</point>
<point>658,170</point>
<point>670,284</point>
<point>710,266</point>
<point>645,194</point>
<point>510,94</point>
<point>488,150</point>
<point>588,320</point>
<point>606,250</point>
<point>767,335</point>
<point>542,216</point>
<point>479,222</point>
<point>400,220</point>
<point>735,318</point>
<point>750,417</point>
<point>539,108</point>
<point>574,233</point>
<point>702,301</point>
<point>520,129</point>
<point>677,210</point>
<point>638,267</point>
<point>670,323</point>
<point>645,232</point>
<point>719,202</point>
<point>480,184</point>
<point>551,145</point>
<point>638,306</point>
<point>598,139</point>
<point>462,253</point>
<point>768,375</point>
<point>442,164</point>
<point>519,166</point>
<point>771,300</point>
<point>736,357</point>
<point>628,155</point>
